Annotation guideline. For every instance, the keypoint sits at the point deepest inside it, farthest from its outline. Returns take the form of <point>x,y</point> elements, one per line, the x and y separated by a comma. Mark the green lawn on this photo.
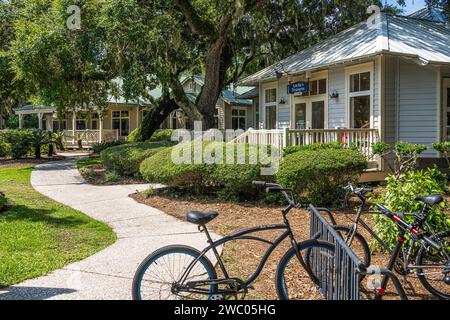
<point>38,235</point>
<point>88,162</point>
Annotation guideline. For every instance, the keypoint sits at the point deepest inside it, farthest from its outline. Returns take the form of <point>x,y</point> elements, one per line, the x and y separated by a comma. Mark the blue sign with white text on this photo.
<point>298,87</point>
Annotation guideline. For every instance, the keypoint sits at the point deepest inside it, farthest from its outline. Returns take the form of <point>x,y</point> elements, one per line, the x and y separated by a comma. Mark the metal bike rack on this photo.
<point>338,276</point>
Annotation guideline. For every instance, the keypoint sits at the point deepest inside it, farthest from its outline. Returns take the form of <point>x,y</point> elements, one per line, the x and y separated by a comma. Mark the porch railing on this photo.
<point>363,139</point>
<point>89,137</point>
<point>264,137</point>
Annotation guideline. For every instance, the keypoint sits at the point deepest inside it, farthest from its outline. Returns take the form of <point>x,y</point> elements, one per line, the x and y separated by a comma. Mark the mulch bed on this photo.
<point>96,174</point>
<point>242,257</point>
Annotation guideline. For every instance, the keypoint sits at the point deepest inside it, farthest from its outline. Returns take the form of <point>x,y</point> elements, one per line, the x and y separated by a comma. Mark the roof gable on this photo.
<point>426,40</point>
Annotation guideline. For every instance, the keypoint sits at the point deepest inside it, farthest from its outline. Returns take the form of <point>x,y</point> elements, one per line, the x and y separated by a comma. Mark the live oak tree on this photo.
<point>12,91</point>
<point>64,67</point>
<point>153,44</point>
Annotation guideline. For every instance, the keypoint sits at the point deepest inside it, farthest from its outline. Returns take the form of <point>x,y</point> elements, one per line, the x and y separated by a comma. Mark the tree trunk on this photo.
<point>155,116</point>
<point>37,151</point>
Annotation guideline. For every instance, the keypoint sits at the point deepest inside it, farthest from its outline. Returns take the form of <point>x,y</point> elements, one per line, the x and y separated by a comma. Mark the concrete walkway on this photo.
<point>108,274</point>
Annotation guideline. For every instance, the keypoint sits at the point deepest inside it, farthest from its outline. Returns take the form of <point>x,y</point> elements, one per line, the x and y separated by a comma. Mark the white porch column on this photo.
<point>100,128</point>
<point>40,117</point>
<point>20,121</point>
<point>74,124</point>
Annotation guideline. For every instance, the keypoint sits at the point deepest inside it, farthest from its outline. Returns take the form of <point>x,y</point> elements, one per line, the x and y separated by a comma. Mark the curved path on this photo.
<point>108,274</point>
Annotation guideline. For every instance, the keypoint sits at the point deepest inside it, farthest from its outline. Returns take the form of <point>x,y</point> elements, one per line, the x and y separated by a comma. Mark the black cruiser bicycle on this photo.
<point>181,272</point>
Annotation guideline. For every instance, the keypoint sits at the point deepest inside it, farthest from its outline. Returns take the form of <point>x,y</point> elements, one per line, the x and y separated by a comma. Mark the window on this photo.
<point>360,112</point>
<point>300,116</point>
<point>238,119</point>
<point>256,108</point>
<point>121,122</point>
<point>360,82</point>
<point>447,102</point>
<point>360,96</point>
<point>81,124</point>
<point>271,117</point>
<point>94,121</point>
<point>271,95</point>
<point>315,87</point>
<point>318,115</point>
<point>59,125</point>
<point>216,118</point>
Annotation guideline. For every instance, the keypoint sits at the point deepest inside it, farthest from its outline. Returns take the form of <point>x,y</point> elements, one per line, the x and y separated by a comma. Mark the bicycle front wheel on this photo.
<point>434,267</point>
<point>158,276</point>
<point>293,281</point>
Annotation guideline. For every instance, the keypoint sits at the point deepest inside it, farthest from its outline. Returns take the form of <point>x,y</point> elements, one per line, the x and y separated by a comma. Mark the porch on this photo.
<point>88,137</point>
<point>363,139</point>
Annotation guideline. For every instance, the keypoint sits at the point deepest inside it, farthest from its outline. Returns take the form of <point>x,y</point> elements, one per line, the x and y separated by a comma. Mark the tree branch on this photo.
<point>197,25</point>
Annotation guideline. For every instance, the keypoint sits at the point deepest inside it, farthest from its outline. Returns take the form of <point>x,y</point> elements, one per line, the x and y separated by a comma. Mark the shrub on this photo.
<point>228,181</point>
<point>161,169</point>
<point>99,147</point>
<point>405,155</point>
<point>38,139</point>
<point>134,135</point>
<point>399,198</point>
<point>313,147</point>
<point>126,159</point>
<point>5,148</point>
<point>20,142</point>
<point>162,135</point>
<point>444,149</point>
<point>318,176</point>
<point>112,176</point>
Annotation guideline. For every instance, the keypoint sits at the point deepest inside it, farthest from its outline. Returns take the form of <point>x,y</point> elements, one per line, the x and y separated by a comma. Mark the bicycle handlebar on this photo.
<point>273,187</point>
<point>407,227</point>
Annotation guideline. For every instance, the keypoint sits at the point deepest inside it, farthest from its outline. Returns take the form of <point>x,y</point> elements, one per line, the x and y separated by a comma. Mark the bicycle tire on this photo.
<point>420,275</point>
<point>280,284</point>
<point>163,252</point>
<point>365,257</point>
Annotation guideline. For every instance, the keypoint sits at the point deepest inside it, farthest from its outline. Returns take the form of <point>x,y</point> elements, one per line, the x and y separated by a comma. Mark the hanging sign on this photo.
<point>298,87</point>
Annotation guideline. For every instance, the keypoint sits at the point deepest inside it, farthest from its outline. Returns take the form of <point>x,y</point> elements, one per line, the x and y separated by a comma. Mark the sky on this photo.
<point>411,5</point>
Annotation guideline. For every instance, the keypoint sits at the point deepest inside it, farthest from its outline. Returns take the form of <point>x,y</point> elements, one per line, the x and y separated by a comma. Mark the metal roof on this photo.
<point>231,97</point>
<point>426,40</point>
<point>33,109</point>
<point>431,14</point>
<point>253,93</point>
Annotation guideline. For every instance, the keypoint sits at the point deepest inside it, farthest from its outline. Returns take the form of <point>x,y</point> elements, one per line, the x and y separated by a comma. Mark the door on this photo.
<point>271,117</point>
<point>310,115</point>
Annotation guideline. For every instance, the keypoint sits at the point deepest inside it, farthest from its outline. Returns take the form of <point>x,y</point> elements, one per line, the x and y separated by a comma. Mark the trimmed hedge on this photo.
<point>318,176</point>
<point>126,159</point>
<point>19,141</point>
<point>313,147</point>
<point>162,135</point>
<point>99,147</point>
<point>229,182</point>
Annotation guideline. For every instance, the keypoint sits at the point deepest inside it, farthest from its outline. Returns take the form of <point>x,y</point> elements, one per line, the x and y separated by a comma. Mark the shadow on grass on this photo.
<point>25,213</point>
<point>31,293</point>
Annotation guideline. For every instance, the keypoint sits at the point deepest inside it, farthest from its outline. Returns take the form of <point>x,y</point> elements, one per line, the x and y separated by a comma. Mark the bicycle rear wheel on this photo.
<point>358,245</point>
<point>435,267</point>
<point>293,282</point>
<point>159,273</point>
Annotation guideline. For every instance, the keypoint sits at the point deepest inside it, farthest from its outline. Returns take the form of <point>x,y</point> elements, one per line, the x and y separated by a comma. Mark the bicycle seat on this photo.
<point>431,200</point>
<point>201,218</point>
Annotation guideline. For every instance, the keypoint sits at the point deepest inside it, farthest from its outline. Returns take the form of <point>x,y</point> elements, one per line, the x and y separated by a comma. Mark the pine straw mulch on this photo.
<point>242,257</point>
<point>96,174</point>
